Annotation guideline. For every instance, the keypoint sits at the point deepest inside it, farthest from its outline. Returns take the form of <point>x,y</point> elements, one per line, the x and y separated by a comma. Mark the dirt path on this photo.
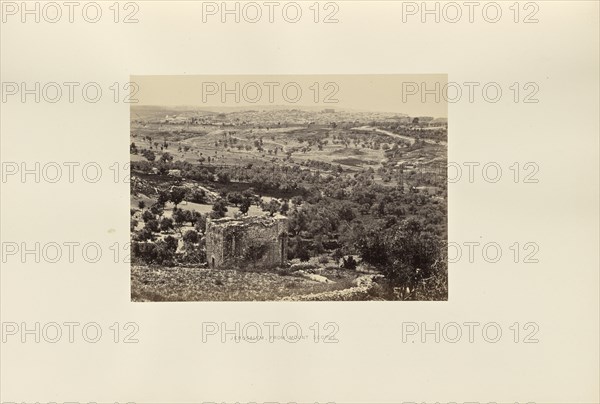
<point>385,132</point>
<point>363,284</point>
<point>410,139</point>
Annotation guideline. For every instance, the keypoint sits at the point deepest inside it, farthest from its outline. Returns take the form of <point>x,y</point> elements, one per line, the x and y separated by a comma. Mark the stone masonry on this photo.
<point>256,240</point>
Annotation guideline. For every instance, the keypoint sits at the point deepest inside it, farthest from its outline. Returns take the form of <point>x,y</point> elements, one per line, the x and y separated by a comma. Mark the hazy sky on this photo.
<point>414,95</point>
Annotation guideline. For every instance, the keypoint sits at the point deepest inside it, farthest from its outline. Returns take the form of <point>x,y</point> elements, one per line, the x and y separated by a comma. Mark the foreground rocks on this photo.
<point>359,292</point>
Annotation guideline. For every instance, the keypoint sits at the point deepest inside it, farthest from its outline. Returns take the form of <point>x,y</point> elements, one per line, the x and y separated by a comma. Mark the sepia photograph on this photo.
<point>297,188</point>
<point>323,202</point>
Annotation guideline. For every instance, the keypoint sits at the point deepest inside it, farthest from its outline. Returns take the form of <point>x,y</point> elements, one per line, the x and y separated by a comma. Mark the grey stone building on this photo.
<point>259,241</point>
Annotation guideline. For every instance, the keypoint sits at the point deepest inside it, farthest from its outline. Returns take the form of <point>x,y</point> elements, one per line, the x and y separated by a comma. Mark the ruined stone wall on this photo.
<point>252,241</point>
<point>214,245</point>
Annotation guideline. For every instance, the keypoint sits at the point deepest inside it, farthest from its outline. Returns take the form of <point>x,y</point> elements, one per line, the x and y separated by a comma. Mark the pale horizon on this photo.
<point>353,93</point>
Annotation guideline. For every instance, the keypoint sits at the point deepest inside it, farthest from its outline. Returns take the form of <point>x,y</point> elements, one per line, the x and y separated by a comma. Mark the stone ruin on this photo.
<point>259,241</point>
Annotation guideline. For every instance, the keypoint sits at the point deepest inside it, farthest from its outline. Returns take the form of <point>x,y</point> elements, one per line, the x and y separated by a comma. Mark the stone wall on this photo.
<point>249,241</point>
